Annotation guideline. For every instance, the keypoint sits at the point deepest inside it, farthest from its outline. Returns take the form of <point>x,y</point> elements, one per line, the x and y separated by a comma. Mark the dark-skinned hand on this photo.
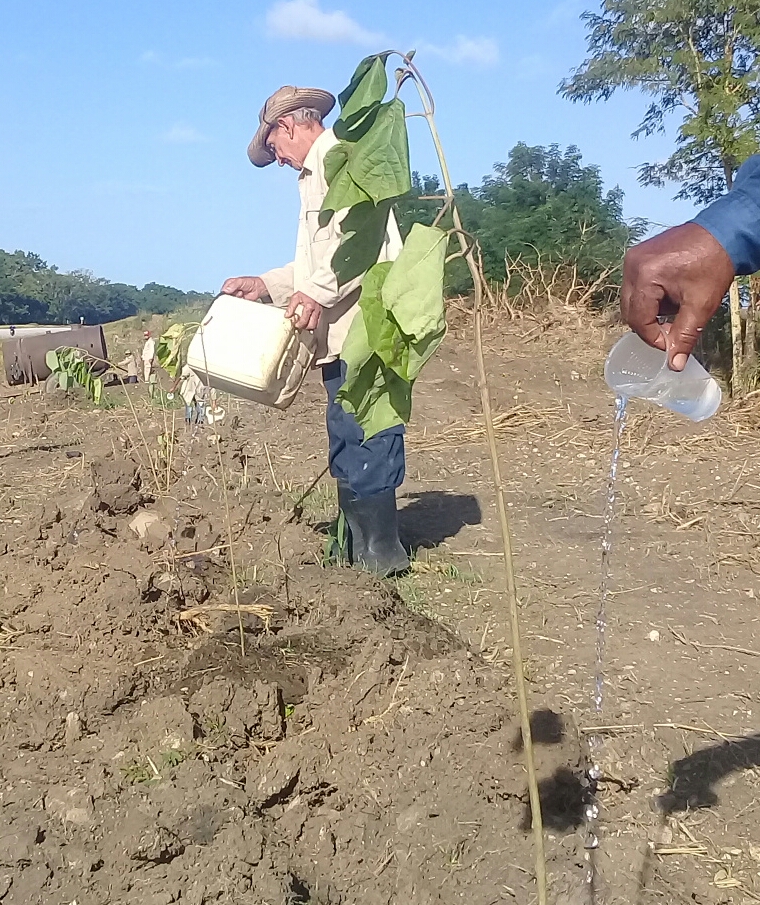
<point>683,272</point>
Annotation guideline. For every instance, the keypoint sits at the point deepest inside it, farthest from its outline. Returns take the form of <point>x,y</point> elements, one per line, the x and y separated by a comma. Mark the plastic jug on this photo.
<point>636,369</point>
<point>251,350</point>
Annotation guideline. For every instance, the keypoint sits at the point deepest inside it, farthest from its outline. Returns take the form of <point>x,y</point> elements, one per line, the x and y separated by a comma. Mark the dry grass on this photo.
<point>7,634</point>
<point>197,618</point>
<point>520,421</point>
<point>562,425</point>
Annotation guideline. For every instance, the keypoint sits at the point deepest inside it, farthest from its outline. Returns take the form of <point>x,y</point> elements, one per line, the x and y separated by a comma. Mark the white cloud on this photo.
<point>306,20</point>
<point>483,52</point>
<point>182,134</point>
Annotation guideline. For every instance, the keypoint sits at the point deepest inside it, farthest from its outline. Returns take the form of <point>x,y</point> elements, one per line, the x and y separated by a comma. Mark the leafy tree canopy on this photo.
<point>31,291</point>
<point>544,202</point>
<point>696,57</point>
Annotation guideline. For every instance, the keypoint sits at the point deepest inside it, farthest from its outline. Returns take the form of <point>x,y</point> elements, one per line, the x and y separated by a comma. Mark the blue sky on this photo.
<point>125,123</point>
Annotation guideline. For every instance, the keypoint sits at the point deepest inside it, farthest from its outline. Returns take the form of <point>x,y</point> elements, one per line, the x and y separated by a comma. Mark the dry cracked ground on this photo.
<point>289,731</point>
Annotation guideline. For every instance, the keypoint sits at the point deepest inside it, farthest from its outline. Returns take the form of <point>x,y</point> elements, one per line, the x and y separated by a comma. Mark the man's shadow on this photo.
<point>433,516</point>
<point>692,778</point>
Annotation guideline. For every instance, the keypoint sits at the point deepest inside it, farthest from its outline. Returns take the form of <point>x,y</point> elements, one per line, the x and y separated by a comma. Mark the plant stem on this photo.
<point>471,256</point>
<point>94,359</point>
<point>228,516</point>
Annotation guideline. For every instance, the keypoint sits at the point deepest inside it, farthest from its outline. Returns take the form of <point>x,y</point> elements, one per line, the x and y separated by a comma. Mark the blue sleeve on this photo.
<point>734,219</point>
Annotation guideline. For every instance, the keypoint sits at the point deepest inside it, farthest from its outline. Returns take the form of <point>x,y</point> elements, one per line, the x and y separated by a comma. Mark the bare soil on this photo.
<point>298,732</point>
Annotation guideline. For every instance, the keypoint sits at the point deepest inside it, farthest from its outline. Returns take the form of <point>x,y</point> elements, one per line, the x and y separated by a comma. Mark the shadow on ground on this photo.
<point>692,778</point>
<point>546,728</point>
<point>562,794</point>
<point>433,516</point>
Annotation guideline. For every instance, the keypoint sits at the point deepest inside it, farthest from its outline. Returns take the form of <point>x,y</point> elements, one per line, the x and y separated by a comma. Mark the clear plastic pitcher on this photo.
<point>636,370</point>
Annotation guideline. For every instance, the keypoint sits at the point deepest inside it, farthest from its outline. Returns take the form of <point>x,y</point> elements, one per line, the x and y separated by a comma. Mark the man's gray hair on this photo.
<point>306,115</point>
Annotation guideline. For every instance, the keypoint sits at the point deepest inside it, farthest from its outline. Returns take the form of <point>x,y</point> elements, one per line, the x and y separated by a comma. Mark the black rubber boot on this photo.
<point>373,529</point>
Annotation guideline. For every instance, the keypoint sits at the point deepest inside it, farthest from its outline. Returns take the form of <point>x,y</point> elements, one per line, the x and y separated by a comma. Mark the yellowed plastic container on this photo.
<point>251,350</point>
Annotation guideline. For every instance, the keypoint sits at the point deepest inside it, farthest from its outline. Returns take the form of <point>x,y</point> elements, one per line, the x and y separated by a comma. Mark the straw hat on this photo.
<point>285,100</point>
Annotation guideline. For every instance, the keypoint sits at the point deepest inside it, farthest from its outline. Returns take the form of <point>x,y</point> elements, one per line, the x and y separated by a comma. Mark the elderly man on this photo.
<point>687,270</point>
<point>368,472</point>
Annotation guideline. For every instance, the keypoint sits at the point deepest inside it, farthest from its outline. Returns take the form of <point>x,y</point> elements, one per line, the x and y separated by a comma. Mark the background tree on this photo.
<point>31,291</point>
<point>543,206</point>
<point>696,58</point>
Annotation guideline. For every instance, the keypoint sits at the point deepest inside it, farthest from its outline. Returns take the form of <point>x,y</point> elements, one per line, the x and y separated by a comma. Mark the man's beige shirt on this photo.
<point>311,272</point>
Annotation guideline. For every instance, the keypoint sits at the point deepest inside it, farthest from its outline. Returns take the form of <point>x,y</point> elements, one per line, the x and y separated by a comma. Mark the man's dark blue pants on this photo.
<point>367,467</point>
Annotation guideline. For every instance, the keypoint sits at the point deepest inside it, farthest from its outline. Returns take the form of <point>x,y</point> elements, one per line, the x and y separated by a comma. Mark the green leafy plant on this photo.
<point>336,542</point>
<point>368,77</point>
<point>401,321</point>
<point>171,347</point>
<point>73,368</point>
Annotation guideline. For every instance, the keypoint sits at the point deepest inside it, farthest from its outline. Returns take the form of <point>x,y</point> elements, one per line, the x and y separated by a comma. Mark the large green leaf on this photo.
<point>335,159</point>
<point>51,360</point>
<point>360,102</point>
<point>383,334</point>
<point>356,351</point>
<point>420,352</point>
<point>364,229</point>
<point>413,290</point>
<point>378,398</point>
<point>373,393</point>
<point>343,193</point>
<point>169,347</point>
<point>365,85</point>
<point>379,161</point>
<point>357,125</point>
<point>372,284</point>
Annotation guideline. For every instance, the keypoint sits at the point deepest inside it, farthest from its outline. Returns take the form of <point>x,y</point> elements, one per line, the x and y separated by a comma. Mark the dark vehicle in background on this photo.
<point>24,353</point>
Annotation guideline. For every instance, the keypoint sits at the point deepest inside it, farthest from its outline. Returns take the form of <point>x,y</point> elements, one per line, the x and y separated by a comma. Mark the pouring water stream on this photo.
<point>595,742</point>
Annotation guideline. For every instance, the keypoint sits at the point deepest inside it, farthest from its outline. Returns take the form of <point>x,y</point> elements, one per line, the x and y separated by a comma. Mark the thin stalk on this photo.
<point>472,258</point>
<point>116,368</point>
<point>228,517</point>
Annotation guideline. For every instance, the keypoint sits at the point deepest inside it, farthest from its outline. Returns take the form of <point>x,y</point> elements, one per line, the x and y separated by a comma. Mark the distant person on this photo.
<point>368,472</point>
<point>149,361</point>
<point>192,392</point>
<point>130,366</point>
<point>81,321</point>
<point>12,331</point>
<point>215,414</point>
<point>688,269</point>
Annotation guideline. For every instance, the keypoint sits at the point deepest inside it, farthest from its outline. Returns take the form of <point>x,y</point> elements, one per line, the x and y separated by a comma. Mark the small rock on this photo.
<point>70,805</point>
<point>148,525</point>
<point>18,845</point>
<point>156,844</point>
<point>73,728</point>
<point>274,780</point>
<point>654,635</point>
<point>163,724</point>
<point>166,582</point>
